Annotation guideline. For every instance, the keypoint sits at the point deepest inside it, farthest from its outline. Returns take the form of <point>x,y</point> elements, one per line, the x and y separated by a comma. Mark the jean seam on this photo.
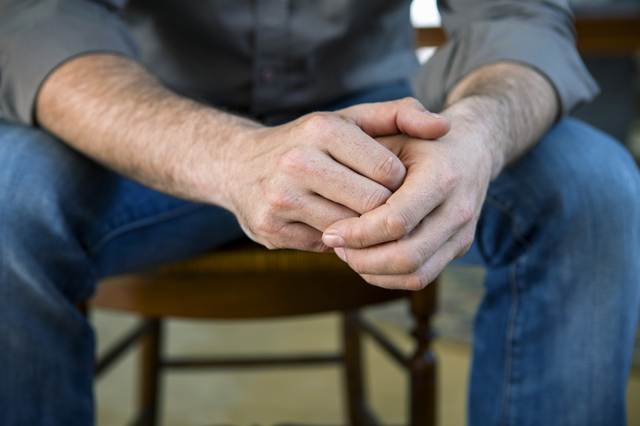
<point>512,215</point>
<point>509,343</point>
<point>141,223</point>
<point>513,309</point>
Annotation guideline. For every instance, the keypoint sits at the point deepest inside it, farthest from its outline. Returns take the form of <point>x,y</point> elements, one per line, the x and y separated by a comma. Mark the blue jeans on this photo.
<point>559,234</point>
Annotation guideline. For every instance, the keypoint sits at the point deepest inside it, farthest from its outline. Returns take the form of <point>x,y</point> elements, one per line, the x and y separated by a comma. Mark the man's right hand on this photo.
<point>290,182</point>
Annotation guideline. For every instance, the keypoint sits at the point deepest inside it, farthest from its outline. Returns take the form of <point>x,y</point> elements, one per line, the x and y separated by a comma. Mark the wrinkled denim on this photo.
<point>559,235</point>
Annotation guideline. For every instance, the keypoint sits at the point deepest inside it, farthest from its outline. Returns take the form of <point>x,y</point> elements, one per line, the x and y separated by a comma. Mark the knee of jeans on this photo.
<point>577,186</point>
<point>604,179</point>
<point>584,177</point>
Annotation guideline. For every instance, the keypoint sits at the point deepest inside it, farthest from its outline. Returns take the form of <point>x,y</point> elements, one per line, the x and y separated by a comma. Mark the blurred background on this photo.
<point>608,32</point>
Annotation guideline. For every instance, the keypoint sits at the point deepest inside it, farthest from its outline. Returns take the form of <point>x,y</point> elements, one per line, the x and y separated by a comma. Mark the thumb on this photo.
<point>406,116</point>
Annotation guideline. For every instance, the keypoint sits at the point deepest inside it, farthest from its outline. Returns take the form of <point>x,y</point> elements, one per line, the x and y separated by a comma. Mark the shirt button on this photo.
<point>268,75</point>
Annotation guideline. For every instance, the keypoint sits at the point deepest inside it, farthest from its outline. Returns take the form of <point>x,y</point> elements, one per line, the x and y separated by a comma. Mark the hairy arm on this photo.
<point>513,105</point>
<point>111,109</point>
<point>285,184</point>
<point>498,113</point>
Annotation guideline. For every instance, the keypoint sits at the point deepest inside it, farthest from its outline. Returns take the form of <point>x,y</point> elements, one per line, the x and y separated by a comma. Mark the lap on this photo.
<point>573,156</point>
<point>559,236</point>
<point>48,188</point>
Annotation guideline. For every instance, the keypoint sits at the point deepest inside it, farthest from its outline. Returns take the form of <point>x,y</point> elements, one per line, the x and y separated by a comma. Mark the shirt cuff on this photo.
<point>37,41</point>
<point>543,49</point>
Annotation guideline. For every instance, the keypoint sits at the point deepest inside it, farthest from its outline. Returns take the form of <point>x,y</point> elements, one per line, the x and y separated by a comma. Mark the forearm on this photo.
<point>111,109</point>
<point>509,106</point>
<point>285,184</point>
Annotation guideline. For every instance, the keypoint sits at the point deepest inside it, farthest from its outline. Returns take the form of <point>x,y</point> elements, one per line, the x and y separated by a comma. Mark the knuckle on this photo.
<point>389,172</point>
<point>464,215</point>
<point>416,281</point>
<point>465,243</point>
<point>402,262</point>
<point>265,225</point>
<point>420,279</point>
<point>410,102</point>
<point>383,168</point>
<point>448,180</point>
<point>317,122</point>
<point>296,160</point>
<point>467,239</point>
<point>281,201</point>
<point>397,225</point>
<point>358,235</point>
<point>375,199</point>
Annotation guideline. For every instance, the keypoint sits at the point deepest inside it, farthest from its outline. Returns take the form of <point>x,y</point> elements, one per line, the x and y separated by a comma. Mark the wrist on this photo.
<point>476,124</point>
<point>220,144</point>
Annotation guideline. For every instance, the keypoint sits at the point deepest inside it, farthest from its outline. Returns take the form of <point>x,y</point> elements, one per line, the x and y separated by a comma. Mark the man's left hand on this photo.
<point>429,221</point>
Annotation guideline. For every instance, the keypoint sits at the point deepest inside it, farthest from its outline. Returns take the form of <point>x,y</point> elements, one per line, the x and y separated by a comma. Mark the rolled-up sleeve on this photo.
<point>38,36</point>
<point>539,34</point>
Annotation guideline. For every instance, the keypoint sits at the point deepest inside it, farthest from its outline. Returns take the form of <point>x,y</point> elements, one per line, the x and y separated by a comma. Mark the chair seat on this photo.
<point>248,283</point>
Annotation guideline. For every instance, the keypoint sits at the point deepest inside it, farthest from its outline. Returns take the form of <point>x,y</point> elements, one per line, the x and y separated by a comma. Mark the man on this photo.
<point>107,131</point>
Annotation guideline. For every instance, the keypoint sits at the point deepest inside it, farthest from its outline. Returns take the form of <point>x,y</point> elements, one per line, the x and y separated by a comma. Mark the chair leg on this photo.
<point>150,374</point>
<point>353,368</point>
<point>83,308</point>
<point>423,363</point>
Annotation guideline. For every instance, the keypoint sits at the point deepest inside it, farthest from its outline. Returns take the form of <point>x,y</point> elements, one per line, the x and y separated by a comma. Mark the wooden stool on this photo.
<point>252,282</point>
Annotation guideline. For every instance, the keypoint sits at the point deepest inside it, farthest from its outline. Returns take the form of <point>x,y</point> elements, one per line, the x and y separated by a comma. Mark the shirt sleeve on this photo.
<point>38,36</point>
<point>539,34</point>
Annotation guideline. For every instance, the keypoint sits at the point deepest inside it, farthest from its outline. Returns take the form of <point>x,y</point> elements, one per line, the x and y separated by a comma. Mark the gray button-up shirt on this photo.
<point>270,57</point>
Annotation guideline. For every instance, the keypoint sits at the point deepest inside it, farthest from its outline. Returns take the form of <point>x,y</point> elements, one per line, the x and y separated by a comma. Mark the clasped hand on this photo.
<point>387,186</point>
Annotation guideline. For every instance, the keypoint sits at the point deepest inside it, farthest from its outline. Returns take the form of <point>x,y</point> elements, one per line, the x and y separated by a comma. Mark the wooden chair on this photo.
<point>610,34</point>
<point>248,281</point>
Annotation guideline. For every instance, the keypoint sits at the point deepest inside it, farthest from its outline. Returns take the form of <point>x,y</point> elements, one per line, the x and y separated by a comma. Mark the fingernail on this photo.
<point>438,116</point>
<point>333,240</point>
<point>340,252</point>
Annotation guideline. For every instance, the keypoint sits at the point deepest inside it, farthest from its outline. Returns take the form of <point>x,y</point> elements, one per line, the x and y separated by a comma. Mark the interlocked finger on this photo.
<point>428,272</point>
<point>408,254</point>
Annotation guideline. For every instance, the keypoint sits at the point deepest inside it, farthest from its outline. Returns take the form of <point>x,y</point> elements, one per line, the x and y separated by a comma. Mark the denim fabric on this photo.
<point>553,337</point>
<point>65,222</point>
<point>560,236</point>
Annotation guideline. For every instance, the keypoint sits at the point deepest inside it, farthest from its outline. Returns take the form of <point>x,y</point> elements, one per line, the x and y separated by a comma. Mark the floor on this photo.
<point>283,396</point>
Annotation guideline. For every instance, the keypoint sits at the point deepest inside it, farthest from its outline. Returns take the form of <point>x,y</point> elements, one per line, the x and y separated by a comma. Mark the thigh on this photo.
<point>560,236</point>
<point>64,222</point>
<point>51,192</point>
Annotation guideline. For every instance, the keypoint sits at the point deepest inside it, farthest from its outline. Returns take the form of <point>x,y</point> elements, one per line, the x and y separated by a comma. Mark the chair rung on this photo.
<point>382,340</point>
<point>237,362</point>
<point>120,347</point>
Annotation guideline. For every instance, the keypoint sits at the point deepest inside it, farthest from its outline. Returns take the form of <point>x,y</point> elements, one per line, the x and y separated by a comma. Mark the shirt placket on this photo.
<point>268,74</point>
